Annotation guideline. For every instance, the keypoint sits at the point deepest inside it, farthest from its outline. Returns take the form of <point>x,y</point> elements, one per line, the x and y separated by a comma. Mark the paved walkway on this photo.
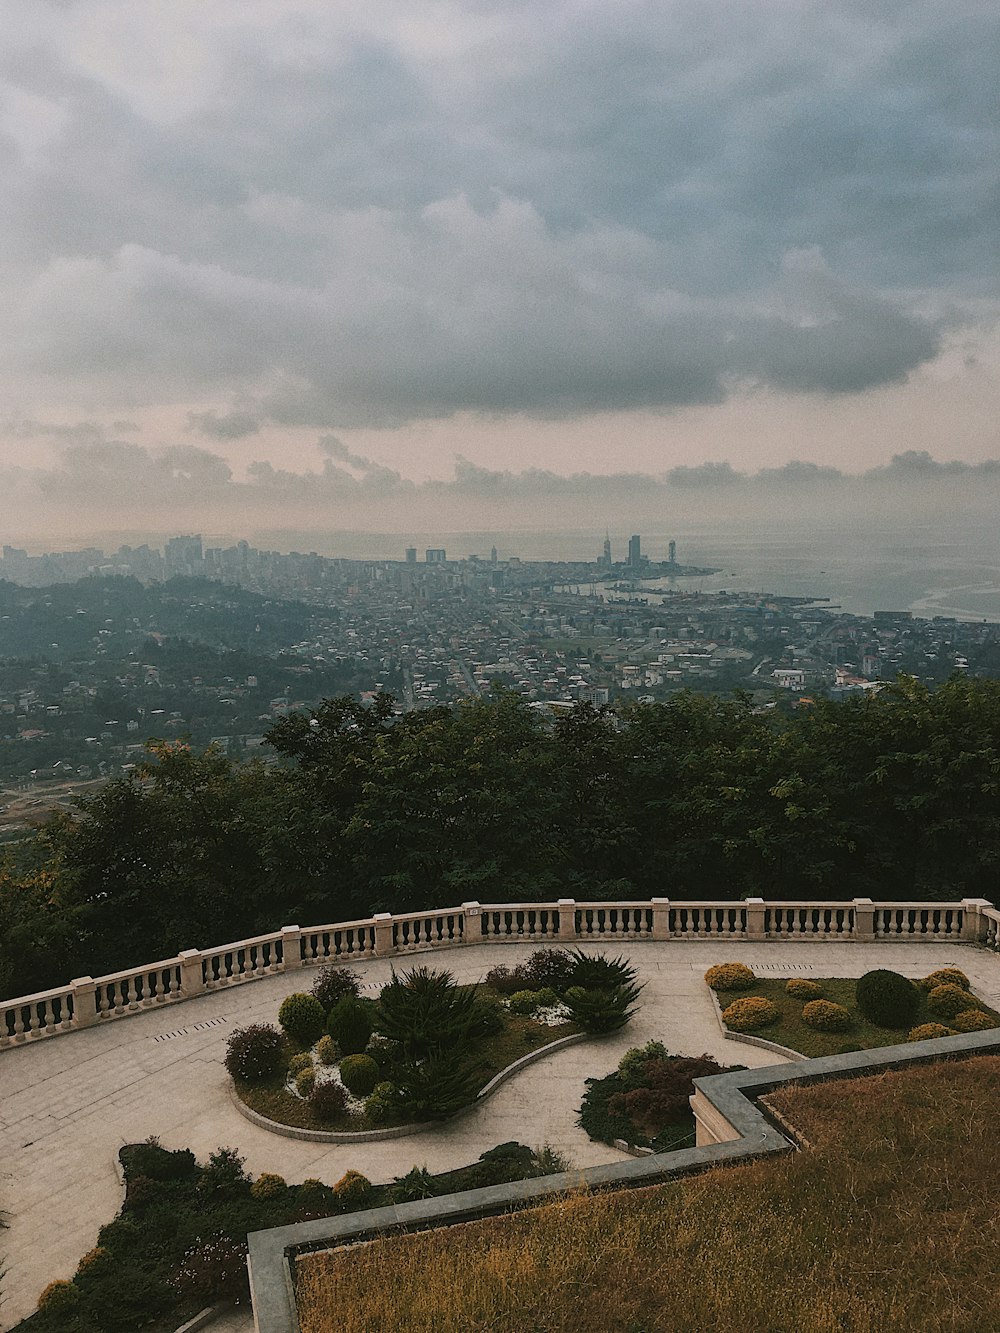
<point>67,1104</point>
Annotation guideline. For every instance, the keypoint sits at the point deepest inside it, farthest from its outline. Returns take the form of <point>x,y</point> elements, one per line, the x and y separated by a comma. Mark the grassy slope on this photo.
<point>792,1032</point>
<point>889,1222</point>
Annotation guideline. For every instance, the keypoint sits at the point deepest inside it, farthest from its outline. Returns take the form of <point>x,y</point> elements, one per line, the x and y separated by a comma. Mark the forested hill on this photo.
<point>891,797</point>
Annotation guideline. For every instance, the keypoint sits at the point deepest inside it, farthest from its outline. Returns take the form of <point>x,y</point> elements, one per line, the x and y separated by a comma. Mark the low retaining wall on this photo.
<point>732,1099</point>
<point>400,1131</point>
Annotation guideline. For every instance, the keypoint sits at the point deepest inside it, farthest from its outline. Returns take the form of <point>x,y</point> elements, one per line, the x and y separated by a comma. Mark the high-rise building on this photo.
<point>435,555</point>
<point>634,552</point>
<point>672,552</point>
<point>493,555</point>
<point>411,555</point>
<point>605,560</point>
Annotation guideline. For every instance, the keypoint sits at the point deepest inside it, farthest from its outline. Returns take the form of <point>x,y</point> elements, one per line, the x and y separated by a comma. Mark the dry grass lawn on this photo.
<point>889,1222</point>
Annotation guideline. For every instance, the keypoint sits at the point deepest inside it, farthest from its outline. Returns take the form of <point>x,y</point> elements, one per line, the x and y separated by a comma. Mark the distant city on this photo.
<point>214,644</point>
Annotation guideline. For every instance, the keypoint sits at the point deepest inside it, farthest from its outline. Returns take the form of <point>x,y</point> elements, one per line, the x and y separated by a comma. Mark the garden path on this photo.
<point>67,1104</point>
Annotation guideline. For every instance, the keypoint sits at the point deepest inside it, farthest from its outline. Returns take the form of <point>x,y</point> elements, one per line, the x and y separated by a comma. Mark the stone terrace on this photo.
<point>69,1103</point>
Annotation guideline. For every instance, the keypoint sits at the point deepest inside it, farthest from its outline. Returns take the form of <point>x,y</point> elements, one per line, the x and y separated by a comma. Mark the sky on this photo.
<point>310,264</point>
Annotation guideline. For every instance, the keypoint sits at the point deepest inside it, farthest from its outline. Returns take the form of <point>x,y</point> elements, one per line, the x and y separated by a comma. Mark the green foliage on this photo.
<point>350,1025</point>
<point>418,1183</point>
<point>333,982</point>
<point>299,1062</point>
<point>149,1159</point>
<point>599,1012</point>
<point>254,1053</point>
<point>948,1000</point>
<point>268,1186</point>
<point>887,999</point>
<point>826,1016</point>
<point>425,1011</point>
<point>804,989</point>
<point>750,1013</point>
<point>359,1074</point>
<point>945,976</point>
<point>632,1063</point>
<point>434,1087</point>
<point>59,1298</point>
<point>929,1031</point>
<point>326,1051</point>
<point>381,1105</point>
<point>352,1189</point>
<point>646,1103</point>
<point>525,1002</point>
<point>598,972</point>
<point>305,1081</point>
<point>328,1099</point>
<point>972,1020</point>
<point>302,1017</point>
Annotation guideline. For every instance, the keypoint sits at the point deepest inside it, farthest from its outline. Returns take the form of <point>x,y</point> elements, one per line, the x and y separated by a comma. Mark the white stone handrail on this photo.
<point>88,1000</point>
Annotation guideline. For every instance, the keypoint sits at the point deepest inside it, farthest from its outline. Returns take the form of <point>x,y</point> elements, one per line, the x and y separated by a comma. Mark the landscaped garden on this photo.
<point>645,1102</point>
<point>833,1015</point>
<point>888,1221</point>
<point>426,1047</point>
<point>179,1242</point>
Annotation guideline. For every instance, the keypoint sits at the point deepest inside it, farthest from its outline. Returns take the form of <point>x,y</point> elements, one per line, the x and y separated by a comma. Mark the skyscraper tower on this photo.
<point>493,555</point>
<point>672,552</point>
<point>607,548</point>
<point>634,552</point>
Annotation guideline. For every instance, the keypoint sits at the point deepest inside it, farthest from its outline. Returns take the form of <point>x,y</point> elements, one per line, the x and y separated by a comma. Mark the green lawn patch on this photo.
<point>791,1031</point>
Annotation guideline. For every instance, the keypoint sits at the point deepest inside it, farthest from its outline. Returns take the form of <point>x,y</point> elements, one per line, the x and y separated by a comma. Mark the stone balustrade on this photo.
<point>88,1001</point>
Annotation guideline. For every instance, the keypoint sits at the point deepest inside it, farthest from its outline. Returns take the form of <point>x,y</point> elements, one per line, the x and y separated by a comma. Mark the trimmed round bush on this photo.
<point>268,1186</point>
<point>352,1187</point>
<point>825,1016</point>
<point>59,1297</point>
<point>333,982</point>
<point>524,1002</point>
<point>302,1017</point>
<point>946,976</point>
<point>381,1104</point>
<point>730,976</point>
<point>328,1100</point>
<point>750,1013</point>
<point>350,1025</point>
<point>948,1000</point>
<point>972,1020</point>
<point>359,1074</point>
<point>801,988</point>
<point>255,1053</point>
<point>928,1031</point>
<point>887,999</point>
<point>299,1062</point>
<point>305,1081</point>
<point>326,1051</point>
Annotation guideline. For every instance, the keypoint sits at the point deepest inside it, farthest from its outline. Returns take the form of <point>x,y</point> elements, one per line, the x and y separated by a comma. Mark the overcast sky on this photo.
<point>322,250</point>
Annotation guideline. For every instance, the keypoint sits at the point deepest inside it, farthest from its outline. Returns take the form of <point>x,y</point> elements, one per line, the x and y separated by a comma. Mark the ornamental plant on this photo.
<point>948,1000</point>
<point>352,1188</point>
<point>887,999</point>
<point>633,1062</point>
<point>598,971</point>
<point>381,1105</point>
<point>945,976</point>
<point>425,1010</point>
<point>268,1186</point>
<point>333,982</point>
<point>825,1016</point>
<point>326,1051</point>
<point>302,1017</point>
<point>801,988</point>
<point>350,1025</point>
<point>59,1298</point>
<point>525,1002</point>
<point>928,1031</point>
<point>750,1013</point>
<point>254,1053</point>
<point>730,976</point>
<point>972,1020</point>
<point>305,1081</point>
<point>328,1100</point>
<point>359,1074</point>
<point>602,1011</point>
<point>299,1062</point>
<point>433,1088</point>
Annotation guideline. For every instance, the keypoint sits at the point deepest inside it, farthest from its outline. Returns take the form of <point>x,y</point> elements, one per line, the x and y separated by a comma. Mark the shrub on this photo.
<point>425,1010</point>
<point>328,1099</point>
<point>379,1107</point>
<point>524,1002</point>
<point>224,1176</point>
<point>94,1260</point>
<point>326,1051</point>
<point>59,1298</point>
<point>305,1081</point>
<point>948,1000</point>
<point>887,999</point>
<point>434,1088</point>
<point>601,1011</point>
<point>506,980</point>
<point>928,1030</point>
<point>801,988</point>
<point>598,971</point>
<point>213,1269</point>
<point>268,1186</point>
<point>550,968</point>
<point>350,1025</point>
<point>750,1013</point>
<point>945,976</point>
<point>155,1163</point>
<point>332,983</point>
<point>254,1053</point>
<point>664,1097</point>
<point>633,1062</point>
<point>418,1183</point>
<point>972,1020</point>
<point>730,976</point>
<point>359,1074</point>
<point>352,1188</point>
<point>302,1017</point>
<point>488,1018</point>
<point>299,1062</point>
<point>826,1016</point>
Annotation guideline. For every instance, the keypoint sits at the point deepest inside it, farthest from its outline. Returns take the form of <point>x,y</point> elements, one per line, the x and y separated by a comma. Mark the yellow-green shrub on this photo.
<point>948,1000</point>
<point>972,1020</point>
<point>305,1081</point>
<point>945,976</point>
<point>927,1031</point>
<point>750,1013</point>
<point>352,1187</point>
<point>730,976</point>
<point>299,1062</point>
<point>59,1297</point>
<point>92,1259</point>
<point>268,1186</point>
<point>326,1051</point>
<point>825,1016</point>
<point>804,989</point>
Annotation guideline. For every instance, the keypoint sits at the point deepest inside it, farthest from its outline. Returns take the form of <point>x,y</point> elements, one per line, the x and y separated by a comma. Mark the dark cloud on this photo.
<point>345,219</point>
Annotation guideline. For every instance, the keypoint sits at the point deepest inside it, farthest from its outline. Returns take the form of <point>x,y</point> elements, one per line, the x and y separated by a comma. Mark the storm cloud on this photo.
<point>335,216</point>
